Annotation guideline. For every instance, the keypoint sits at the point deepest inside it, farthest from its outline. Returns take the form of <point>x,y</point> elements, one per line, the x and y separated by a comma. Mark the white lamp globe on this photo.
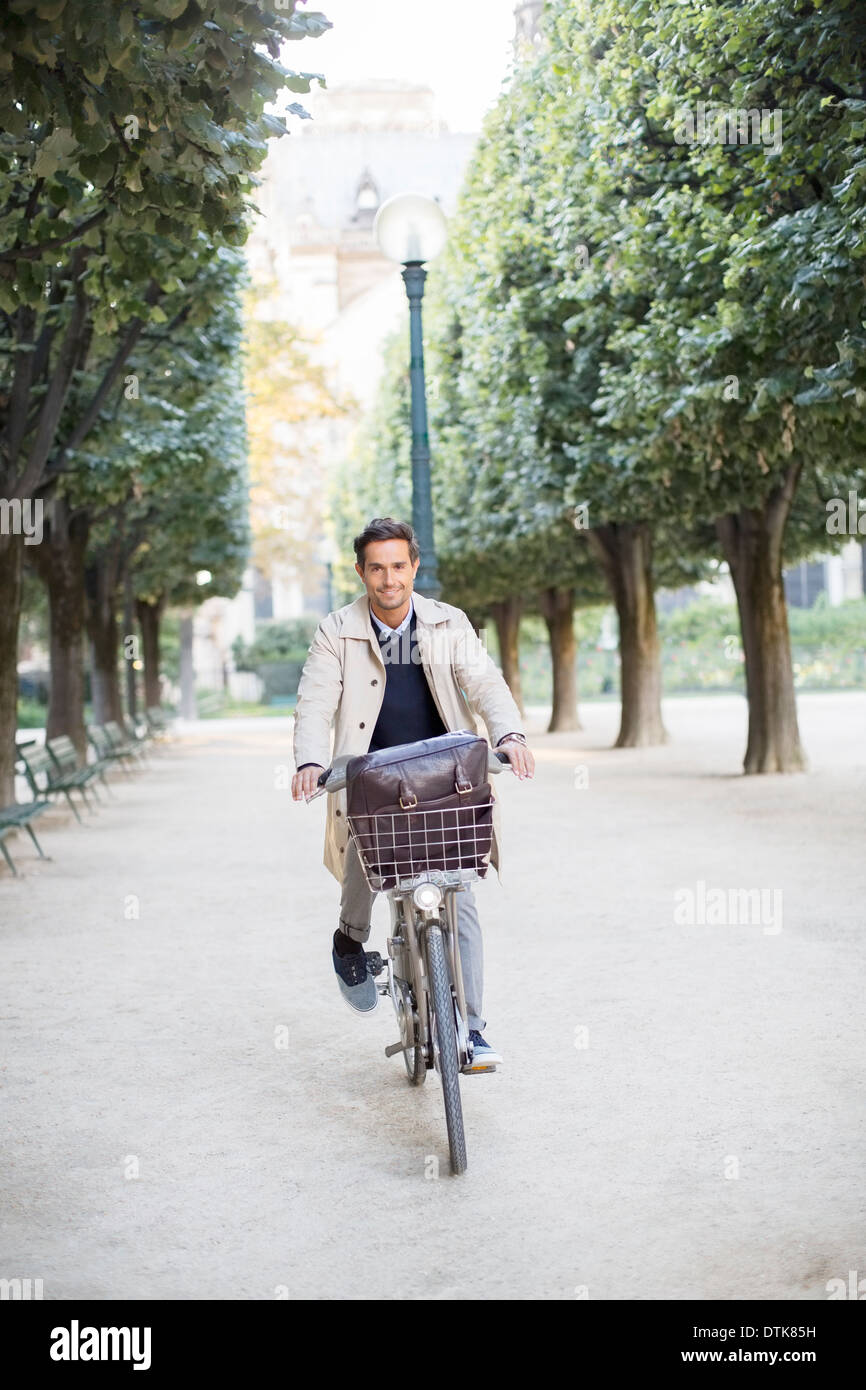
<point>410,227</point>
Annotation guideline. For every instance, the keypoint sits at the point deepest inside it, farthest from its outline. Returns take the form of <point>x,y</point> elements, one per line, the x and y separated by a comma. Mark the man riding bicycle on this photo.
<point>390,668</point>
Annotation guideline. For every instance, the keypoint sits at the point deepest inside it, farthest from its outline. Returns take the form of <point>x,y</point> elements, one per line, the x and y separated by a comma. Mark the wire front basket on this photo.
<point>447,846</point>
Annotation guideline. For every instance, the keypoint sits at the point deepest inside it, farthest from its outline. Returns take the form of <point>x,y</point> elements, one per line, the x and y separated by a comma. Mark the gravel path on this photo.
<point>190,1111</point>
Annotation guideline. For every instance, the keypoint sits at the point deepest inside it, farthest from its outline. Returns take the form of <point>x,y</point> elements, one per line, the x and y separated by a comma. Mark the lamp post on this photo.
<point>411,230</point>
<point>328,555</point>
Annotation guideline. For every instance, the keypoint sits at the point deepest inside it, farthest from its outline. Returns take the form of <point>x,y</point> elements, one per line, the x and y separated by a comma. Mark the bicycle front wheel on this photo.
<point>445,1045</point>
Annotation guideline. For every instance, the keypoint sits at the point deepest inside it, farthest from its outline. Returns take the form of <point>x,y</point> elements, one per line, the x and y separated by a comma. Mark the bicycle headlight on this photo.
<point>427,897</point>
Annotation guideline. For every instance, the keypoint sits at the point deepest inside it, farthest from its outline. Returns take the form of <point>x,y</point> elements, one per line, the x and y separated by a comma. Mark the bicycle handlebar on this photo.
<point>333,779</point>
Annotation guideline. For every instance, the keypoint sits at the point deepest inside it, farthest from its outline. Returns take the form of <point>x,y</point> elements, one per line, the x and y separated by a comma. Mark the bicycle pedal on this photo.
<point>473,1071</point>
<point>375,963</point>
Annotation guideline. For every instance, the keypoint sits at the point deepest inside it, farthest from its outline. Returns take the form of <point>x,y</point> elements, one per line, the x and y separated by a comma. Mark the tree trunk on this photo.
<point>557,609</point>
<point>187,673</point>
<point>506,615</point>
<point>625,553</point>
<point>104,639</point>
<point>130,646</point>
<point>752,543</point>
<point>10,615</point>
<point>149,618</point>
<point>59,561</point>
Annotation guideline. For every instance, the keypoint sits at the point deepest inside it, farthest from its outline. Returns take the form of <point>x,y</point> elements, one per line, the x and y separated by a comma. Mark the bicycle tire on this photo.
<point>442,1007</point>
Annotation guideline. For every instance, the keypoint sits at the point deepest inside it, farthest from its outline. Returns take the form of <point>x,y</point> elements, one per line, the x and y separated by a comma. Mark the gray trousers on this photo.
<point>356,907</point>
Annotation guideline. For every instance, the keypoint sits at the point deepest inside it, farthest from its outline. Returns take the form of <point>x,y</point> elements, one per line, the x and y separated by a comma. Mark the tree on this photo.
<point>290,410</point>
<point>128,145</point>
<point>523,361</point>
<point>612,281</point>
<point>752,256</point>
<point>153,448</point>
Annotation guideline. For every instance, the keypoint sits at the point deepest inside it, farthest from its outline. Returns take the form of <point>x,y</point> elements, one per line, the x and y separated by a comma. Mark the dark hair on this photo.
<point>385,528</point>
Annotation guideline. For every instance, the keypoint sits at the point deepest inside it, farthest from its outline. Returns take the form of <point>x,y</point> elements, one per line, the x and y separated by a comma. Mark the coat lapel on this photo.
<point>358,624</point>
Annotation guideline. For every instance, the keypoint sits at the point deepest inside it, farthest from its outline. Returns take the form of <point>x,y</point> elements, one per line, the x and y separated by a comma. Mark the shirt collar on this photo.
<point>392,631</point>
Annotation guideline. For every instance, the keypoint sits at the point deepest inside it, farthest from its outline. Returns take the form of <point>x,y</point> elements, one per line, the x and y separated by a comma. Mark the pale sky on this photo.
<point>461,50</point>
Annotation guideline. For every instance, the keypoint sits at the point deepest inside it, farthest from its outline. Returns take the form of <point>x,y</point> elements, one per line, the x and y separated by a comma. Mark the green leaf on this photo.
<point>54,152</point>
<point>171,9</point>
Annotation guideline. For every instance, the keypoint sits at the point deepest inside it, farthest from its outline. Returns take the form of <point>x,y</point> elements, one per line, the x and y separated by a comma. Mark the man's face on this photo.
<point>388,573</point>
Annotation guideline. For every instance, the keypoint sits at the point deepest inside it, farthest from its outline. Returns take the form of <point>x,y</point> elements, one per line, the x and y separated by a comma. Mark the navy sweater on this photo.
<point>408,710</point>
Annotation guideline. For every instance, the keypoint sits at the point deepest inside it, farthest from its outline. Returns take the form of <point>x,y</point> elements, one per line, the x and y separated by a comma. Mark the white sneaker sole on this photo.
<point>484,1062</point>
<point>349,1005</point>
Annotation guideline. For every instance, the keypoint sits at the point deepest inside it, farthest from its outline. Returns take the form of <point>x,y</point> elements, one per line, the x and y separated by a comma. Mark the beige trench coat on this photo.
<point>343,683</point>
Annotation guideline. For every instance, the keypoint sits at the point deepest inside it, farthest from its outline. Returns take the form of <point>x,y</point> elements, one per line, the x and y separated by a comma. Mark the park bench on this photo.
<point>139,734</point>
<point>158,722</point>
<point>19,817</point>
<point>121,742</point>
<point>65,755</point>
<point>47,781</point>
<point>108,750</point>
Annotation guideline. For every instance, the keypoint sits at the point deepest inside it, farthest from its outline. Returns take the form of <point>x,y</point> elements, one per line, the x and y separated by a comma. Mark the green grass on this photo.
<point>31,715</point>
<point>237,709</point>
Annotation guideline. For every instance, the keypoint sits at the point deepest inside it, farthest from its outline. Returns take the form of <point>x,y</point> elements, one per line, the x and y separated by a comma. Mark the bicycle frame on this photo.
<point>409,923</point>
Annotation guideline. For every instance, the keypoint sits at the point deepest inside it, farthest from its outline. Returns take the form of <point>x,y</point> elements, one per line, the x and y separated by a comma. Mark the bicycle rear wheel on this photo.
<point>407,1019</point>
<point>445,1045</point>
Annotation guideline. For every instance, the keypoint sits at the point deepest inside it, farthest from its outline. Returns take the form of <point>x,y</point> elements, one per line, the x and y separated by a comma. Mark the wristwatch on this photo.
<point>512,738</point>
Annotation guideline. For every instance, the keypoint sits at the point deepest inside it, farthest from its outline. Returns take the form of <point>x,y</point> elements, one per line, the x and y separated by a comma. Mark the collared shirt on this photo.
<point>392,631</point>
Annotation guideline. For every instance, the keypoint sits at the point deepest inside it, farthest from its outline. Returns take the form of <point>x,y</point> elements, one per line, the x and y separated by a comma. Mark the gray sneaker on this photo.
<point>357,985</point>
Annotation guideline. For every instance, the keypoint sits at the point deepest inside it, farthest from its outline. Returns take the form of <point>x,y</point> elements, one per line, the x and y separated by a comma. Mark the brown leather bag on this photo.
<point>424,805</point>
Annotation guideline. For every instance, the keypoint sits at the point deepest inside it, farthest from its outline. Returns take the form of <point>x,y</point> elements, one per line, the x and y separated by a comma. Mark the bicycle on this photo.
<point>424,977</point>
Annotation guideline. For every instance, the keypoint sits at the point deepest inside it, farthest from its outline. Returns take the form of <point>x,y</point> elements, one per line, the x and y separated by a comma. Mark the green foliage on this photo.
<point>129,141</point>
<point>713,266</point>
<point>217,705</point>
<point>701,651</point>
<point>276,641</point>
<point>664,331</point>
<point>130,137</point>
<point>162,476</point>
<point>31,713</point>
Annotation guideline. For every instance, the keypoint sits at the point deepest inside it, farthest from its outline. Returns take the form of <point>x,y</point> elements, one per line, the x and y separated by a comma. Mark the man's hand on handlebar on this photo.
<point>304,783</point>
<point>520,758</point>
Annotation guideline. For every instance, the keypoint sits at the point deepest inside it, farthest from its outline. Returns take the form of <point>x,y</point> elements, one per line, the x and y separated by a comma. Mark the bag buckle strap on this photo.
<point>407,805</point>
<point>462,784</point>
